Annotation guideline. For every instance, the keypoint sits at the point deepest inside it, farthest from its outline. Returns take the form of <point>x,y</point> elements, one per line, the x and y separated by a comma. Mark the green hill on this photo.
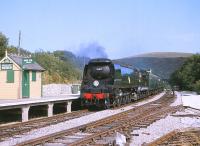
<point>162,64</point>
<point>165,55</point>
<point>57,70</point>
<point>77,61</point>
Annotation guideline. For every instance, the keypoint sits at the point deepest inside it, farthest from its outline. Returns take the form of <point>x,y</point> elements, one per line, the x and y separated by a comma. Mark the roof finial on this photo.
<point>6,53</point>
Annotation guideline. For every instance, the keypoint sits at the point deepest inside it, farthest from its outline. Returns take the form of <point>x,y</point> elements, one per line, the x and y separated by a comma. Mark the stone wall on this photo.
<point>56,89</point>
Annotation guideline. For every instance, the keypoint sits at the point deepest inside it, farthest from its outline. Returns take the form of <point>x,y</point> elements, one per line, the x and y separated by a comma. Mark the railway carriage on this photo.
<point>149,83</point>
<point>107,83</point>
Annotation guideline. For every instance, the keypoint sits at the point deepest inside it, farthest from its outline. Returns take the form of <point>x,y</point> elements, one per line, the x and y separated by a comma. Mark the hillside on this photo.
<point>57,70</point>
<point>161,63</point>
<point>77,61</point>
<point>165,54</point>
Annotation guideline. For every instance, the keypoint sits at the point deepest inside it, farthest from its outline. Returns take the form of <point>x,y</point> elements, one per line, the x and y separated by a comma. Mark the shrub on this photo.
<point>197,86</point>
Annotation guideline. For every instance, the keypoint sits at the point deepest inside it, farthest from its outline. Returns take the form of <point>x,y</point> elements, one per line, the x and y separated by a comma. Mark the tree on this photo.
<point>3,44</point>
<point>14,50</point>
<point>197,86</point>
<point>188,76</point>
<point>57,70</point>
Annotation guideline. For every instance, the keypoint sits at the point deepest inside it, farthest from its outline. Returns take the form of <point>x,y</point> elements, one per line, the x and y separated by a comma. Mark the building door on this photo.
<point>25,84</point>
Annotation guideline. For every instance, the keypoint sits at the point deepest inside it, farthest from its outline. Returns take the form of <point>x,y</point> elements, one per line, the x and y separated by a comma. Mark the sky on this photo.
<point>119,28</point>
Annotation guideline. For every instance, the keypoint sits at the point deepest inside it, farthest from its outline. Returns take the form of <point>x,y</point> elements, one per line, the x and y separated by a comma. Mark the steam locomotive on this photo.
<point>108,83</point>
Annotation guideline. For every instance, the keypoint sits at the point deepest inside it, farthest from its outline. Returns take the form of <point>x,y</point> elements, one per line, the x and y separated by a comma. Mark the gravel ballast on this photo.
<point>72,123</point>
<point>162,127</point>
<point>176,121</point>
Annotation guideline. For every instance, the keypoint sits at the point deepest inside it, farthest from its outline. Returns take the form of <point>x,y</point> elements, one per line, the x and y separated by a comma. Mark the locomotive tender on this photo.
<point>107,83</point>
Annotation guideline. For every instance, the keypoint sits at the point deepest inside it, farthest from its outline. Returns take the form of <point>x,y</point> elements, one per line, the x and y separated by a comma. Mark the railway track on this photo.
<point>23,127</point>
<point>11,130</point>
<point>186,137</point>
<point>102,132</point>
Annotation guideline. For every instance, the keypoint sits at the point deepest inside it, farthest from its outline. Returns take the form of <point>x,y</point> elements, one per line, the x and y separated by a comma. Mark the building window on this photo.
<point>33,75</point>
<point>10,76</point>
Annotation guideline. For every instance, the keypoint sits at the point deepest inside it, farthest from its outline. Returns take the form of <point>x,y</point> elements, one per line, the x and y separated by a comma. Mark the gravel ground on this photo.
<point>166,125</point>
<point>157,129</point>
<point>71,123</point>
<point>178,100</point>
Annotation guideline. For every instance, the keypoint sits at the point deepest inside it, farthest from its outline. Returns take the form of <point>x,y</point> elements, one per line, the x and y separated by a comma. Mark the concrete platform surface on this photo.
<point>4,104</point>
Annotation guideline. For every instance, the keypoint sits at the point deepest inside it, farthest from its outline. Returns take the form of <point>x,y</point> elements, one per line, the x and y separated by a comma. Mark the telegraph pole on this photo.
<point>83,61</point>
<point>19,42</point>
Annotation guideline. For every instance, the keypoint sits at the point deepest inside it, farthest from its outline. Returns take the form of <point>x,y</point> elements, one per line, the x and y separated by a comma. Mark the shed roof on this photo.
<point>34,66</point>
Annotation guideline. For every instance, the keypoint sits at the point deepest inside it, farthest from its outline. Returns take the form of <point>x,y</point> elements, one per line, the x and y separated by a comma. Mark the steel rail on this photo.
<point>144,114</point>
<point>22,127</point>
<point>189,137</point>
<point>123,126</point>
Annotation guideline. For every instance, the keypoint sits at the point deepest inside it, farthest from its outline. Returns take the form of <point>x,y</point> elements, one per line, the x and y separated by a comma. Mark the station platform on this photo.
<point>25,104</point>
<point>15,103</point>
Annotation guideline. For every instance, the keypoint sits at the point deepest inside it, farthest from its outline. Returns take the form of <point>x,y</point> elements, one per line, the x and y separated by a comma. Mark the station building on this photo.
<point>20,77</point>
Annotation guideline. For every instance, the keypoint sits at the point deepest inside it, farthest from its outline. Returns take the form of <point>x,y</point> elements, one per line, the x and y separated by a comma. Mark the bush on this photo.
<point>188,76</point>
<point>197,86</point>
<point>57,70</point>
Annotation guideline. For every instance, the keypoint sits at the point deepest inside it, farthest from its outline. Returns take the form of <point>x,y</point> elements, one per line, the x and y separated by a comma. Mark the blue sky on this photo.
<point>123,27</point>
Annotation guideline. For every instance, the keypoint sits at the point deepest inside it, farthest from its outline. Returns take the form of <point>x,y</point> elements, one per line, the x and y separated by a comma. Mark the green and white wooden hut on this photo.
<point>21,77</point>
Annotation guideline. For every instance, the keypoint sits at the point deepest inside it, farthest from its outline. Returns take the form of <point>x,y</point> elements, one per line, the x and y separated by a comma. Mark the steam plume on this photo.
<point>92,50</point>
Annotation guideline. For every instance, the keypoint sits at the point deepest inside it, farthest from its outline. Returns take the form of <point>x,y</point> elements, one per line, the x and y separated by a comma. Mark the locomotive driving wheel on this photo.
<point>113,102</point>
<point>126,99</point>
<point>118,97</point>
<point>116,102</point>
<point>106,103</point>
